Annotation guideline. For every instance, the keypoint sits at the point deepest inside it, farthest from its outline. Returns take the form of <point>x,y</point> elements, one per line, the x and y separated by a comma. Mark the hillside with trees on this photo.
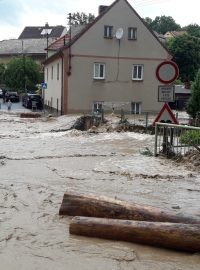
<point>186,53</point>
<point>185,49</point>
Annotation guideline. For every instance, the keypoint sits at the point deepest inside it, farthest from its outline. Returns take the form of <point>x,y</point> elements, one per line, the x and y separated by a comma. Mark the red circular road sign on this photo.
<point>167,72</point>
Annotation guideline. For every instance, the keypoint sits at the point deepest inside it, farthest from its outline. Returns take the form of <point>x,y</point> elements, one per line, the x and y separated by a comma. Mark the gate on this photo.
<point>168,142</point>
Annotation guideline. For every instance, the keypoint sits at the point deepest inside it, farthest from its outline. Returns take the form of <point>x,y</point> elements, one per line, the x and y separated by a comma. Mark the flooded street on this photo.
<point>38,164</point>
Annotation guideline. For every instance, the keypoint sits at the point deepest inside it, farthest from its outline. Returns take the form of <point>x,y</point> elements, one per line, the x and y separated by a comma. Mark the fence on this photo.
<point>169,139</point>
<point>145,118</point>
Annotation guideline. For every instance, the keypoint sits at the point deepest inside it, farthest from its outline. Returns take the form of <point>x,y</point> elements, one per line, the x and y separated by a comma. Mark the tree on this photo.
<point>193,105</point>
<point>193,30</point>
<point>21,73</point>
<point>163,24</point>
<point>2,73</point>
<point>80,18</point>
<point>148,20</point>
<point>186,53</point>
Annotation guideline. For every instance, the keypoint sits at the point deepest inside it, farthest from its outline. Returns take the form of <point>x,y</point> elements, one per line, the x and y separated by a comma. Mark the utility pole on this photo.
<point>47,30</point>
<point>24,66</point>
<point>70,38</point>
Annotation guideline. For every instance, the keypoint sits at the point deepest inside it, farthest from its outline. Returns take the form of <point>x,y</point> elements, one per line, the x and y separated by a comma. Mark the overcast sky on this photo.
<point>16,14</point>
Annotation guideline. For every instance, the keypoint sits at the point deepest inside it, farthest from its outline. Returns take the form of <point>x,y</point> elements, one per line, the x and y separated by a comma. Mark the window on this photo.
<point>58,71</point>
<point>137,73</point>
<point>108,31</point>
<point>97,107</point>
<point>135,108</point>
<point>52,72</point>
<point>99,71</point>
<point>132,33</point>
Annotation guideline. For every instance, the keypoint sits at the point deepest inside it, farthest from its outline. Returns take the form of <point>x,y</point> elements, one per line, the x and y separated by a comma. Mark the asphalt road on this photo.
<point>16,107</point>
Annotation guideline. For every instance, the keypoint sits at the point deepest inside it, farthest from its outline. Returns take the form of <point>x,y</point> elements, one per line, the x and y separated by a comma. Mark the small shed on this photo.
<point>182,96</point>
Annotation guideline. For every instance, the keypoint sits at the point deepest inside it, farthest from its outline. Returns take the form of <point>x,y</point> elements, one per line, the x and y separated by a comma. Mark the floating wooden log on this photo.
<point>92,206</point>
<point>184,237</point>
<point>30,115</point>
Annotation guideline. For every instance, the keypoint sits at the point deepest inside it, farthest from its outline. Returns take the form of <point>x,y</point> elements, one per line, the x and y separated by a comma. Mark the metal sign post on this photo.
<point>44,86</point>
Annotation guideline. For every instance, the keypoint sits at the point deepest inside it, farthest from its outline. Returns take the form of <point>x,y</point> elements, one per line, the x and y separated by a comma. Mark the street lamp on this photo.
<point>47,32</point>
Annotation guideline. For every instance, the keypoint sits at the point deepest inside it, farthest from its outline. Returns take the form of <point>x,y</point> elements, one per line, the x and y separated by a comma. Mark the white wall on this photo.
<point>52,94</point>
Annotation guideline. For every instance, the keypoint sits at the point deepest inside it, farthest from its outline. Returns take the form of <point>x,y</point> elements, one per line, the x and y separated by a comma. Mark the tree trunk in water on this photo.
<point>92,206</point>
<point>184,237</point>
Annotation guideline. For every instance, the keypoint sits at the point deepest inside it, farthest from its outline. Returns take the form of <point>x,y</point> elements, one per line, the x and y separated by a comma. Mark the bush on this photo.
<point>191,137</point>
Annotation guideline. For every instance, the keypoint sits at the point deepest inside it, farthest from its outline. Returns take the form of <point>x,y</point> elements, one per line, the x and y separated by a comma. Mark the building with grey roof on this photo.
<point>34,48</point>
<point>32,42</point>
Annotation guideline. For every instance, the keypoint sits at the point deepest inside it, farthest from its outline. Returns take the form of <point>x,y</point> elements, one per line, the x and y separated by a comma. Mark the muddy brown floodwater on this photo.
<point>37,166</point>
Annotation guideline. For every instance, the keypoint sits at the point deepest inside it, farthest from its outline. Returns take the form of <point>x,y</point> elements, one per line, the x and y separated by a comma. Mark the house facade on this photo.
<point>111,63</point>
<point>173,34</point>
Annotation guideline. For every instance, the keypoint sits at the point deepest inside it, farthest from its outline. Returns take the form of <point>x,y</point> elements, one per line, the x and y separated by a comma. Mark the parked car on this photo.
<point>12,96</point>
<point>32,100</point>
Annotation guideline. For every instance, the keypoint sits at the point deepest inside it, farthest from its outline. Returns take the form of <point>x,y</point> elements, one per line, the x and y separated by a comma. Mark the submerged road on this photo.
<point>37,166</point>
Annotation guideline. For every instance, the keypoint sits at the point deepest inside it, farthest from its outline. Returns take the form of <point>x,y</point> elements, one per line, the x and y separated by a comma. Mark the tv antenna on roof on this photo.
<point>119,33</point>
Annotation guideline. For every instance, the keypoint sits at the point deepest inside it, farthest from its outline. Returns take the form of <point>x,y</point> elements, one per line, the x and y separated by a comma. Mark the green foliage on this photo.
<point>191,137</point>
<point>163,24</point>
<point>186,53</point>
<point>193,105</point>
<point>2,73</point>
<point>82,18</point>
<point>21,73</point>
<point>193,30</point>
<point>148,20</point>
<point>178,82</point>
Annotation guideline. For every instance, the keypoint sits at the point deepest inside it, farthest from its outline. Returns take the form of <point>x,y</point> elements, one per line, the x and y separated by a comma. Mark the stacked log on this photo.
<point>74,204</point>
<point>183,237</point>
<point>120,220</point>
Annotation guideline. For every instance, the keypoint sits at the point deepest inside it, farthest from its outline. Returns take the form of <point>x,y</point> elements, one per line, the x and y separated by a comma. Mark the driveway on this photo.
<point>16,107</point>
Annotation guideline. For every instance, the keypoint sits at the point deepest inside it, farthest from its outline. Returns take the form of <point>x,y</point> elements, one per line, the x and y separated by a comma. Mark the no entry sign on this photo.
<point>167,72</point>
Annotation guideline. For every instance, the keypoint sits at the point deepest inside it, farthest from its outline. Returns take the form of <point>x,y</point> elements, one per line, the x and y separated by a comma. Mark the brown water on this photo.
<point>36,168</point>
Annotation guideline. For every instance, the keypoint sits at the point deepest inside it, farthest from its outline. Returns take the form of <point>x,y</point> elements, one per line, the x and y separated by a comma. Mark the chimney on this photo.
<point>102,9</point>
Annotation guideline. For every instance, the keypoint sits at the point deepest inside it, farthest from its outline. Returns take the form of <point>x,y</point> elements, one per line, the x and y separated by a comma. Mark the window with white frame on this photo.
<point>99,71</point>
<point>137,72</point>
<point>132,33</point>
<point>136,108</point>
<point>108,31</point>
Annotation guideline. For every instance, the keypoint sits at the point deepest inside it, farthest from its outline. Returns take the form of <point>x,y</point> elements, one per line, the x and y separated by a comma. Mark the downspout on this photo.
<point>62,83</point>
<point>70,39</point>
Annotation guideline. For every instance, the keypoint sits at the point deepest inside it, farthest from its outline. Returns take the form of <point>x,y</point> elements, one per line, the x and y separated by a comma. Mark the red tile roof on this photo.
<point>59,43</point>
